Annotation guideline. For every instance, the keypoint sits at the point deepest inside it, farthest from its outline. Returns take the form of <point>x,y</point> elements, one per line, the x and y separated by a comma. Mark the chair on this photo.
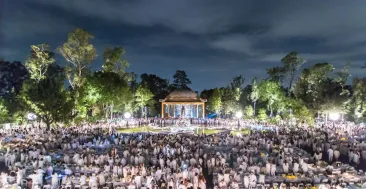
<point>84,187</point>
<point>47,186</point>
<point>77,187</point>
<point>105,187</point>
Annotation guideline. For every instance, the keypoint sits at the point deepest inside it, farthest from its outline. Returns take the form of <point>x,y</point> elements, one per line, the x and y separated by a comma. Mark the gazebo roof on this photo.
<point>183,95</point>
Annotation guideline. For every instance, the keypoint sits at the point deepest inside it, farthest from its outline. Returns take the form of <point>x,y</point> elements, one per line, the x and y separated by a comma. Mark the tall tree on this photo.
<point>38,61</point>
<point>158,86</point>
<point>342,77</point>
<point>142,97</point>
<point>276,74</point>
<point>236,85</point>
<point>181,80</point>
<point>12,75</point>
<point>357,103</point>
<point>214,102</point>
<point>112,89</point>
<point>254,95</point>
<point>311,85</point>
<point>271,93</point>
<point>48,98</point>
<point>79,53</point>
<point>113,61</point>
<point>291,64</point>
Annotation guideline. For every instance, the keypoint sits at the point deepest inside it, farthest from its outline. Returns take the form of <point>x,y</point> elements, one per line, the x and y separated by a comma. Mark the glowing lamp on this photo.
<point>127,115</point>
<point>334,116</point>
<point>239,115</point>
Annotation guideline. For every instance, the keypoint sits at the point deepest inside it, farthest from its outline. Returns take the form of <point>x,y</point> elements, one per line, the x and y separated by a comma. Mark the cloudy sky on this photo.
<point>212,40</point>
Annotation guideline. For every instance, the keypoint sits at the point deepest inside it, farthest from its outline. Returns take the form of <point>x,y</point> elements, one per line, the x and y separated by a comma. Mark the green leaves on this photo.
<point>142,97</point>
<point>215,102</point>
<point>181,80</point>
<point>113,61</point>
<point>79,53</point>
<point>38,61</point>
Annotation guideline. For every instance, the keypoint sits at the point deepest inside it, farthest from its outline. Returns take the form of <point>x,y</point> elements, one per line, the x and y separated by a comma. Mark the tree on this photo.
<point>248,112</point>
<point>299,111</point>
<point>356,105</point>
<point>180,80</point>
<point>142,97</point>
<point>214,102</point>
<point>254,95</point>
<point>276,74</point>
<point>311,85</point>
<point>79,54</point>
<point>262,115</point>
<point>291,64</point>
<point>271,93</point>
<point>342,77</point>
<point>158,86</point>
<point>112,89</point>
<point>113,61</point>
<point>4,113</point>
<point>236,86</point>
<point>48,99</point>
<point>12,75</point>
<point>38,61</point>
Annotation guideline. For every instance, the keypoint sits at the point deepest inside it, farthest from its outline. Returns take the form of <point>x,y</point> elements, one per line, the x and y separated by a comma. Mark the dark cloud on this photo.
<point>213,40</point>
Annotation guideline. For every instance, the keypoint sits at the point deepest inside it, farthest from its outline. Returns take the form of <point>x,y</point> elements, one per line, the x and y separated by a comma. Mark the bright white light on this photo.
<point>334,116</point>
<point>127,115</point>
<point>239,115</point>
<point>31,116</point>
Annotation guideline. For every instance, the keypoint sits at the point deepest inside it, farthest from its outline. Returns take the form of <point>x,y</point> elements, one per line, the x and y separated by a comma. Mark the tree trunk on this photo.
<point>254,103</point>
<point>145,112</point>
<point>111,110</point>
<point>271,114</point>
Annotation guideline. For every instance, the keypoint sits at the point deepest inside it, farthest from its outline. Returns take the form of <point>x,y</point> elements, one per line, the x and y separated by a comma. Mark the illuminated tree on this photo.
<point>254,95</point>
<point>248,112</point>
<point>291,64</point>
<point>142,97</point>
<point>271,93</point>
<point>214,102</point>
<point>39,60</point>
<point>113,61</point>
<point>79,54</point>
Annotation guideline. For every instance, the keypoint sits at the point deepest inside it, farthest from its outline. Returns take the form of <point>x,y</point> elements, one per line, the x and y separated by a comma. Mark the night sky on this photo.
<point>212,40</point>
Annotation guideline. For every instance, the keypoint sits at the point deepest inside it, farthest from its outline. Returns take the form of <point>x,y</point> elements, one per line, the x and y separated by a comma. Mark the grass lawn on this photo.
<point>140,129</point>
<point>207,131</point>
<point>243,132</point>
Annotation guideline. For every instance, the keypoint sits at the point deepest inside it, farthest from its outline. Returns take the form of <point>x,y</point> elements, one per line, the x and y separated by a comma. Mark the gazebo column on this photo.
<point>203,110</point>
<point>196,110</point>
<point>162,109</point>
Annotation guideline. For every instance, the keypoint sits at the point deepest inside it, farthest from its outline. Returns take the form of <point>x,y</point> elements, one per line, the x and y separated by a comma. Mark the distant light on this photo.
<point>127,115</point>
<point>334,116</point>
<point>31,116</point>
<point>239,114</point>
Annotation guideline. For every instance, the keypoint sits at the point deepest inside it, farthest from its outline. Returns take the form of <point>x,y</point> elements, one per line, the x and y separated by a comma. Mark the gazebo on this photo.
<point>183,104</point>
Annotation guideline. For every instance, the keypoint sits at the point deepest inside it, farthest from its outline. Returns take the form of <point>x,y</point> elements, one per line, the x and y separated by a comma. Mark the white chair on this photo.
<point>84,187</point>
<point>77,187</point>
<point>47,186</point>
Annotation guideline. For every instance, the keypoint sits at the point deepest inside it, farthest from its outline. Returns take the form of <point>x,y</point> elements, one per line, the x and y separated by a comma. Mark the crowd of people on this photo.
<point>97,155</point>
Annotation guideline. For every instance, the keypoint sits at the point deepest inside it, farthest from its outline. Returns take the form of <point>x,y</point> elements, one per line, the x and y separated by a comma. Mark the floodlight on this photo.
<point>334,116</point>
<point>127,115</point>
<point>239,114</point>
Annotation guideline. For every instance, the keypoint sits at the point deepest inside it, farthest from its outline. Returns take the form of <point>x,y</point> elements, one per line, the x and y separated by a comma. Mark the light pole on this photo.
<point>238,115</point>
<point>127,116</point>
